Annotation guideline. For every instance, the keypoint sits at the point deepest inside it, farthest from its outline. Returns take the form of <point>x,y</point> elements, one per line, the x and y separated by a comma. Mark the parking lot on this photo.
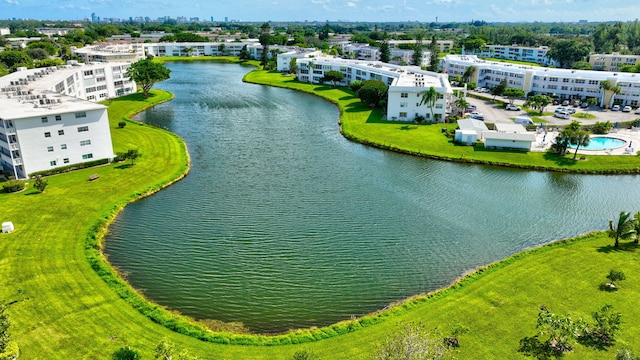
<point>497,114</point>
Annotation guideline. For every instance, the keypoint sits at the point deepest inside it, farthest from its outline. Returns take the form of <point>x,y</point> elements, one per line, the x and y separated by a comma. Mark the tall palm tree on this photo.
<point>468,73</point>
<point>636,226</point>
<point>608,86</point>
<point>462,104</point>
<point>579,138</point>
<point>623,230</point>
<point>429,98</point>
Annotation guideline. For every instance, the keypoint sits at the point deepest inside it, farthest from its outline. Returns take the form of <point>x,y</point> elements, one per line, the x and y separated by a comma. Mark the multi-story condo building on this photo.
<point>612,62</point>
<point>519,53</point>
<point>406,84</point>
<point>49,117</point>
<point>231,48</point>
<point>561,83</point>
<point>397,56</point>
<point>110,53</point>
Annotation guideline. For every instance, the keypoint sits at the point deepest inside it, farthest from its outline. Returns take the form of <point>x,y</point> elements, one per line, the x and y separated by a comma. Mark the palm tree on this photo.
<point>468,73</point>
<point>579,138</point>
<point>607,86</point>
<point>429,97</point>
<point>636,226</point>
<point>623,230</point>
<point>462,104</point>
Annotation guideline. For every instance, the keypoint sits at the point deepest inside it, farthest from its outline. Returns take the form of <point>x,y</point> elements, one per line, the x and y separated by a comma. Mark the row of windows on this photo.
<point>61,132</point>
<point>64,146</point>
<point>66,160</point>
<point>45,119</point>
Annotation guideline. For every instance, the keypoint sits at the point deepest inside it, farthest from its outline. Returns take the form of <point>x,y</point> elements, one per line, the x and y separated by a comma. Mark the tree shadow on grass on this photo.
<point>408,127</point>
<point>559,160</point>
<point>624,246</point>
<point>138,96</point>
<point>123,166</point>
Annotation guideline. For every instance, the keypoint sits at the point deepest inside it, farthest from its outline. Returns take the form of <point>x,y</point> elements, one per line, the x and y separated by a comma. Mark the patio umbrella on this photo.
<point>544,137</point>
<point>630,141</point>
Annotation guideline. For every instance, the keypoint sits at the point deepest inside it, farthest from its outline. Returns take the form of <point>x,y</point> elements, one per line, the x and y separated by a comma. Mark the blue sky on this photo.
<point>332,10</point>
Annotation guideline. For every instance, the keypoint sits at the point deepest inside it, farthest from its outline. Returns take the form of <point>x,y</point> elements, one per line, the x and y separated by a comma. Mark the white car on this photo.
<point>615,108</point>
<point>626,109</point>
<point>637,111</point>
<point>511,107</point>
<point>476,115</point>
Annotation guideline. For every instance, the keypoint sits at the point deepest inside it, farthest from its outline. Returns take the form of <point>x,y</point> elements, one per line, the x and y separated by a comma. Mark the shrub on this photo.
<point>356,85</point>
<point>40,183</point>
<point>601,127</point>
<point>126,353</point>
<point>122,124</point>
<point>68,168</point>
<point>13,186</point>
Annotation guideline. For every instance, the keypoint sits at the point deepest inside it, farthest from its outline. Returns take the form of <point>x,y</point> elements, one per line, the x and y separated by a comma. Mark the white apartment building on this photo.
<point>536,55</point>
<point>49,118</point>
<point>612,62</point>
<point>284,59</point>
<point>561,83</point>
<point>128,53</point>
<point>406,84</point>
<point>397,56</point>
<point>230,48</point>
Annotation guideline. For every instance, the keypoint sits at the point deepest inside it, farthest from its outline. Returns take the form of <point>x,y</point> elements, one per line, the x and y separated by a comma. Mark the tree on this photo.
<point>244,54</point>
<point>623,229</point>
<point>557,332</point>
<point>37,53</point>
<point>334,76</point>
<point>499,89</point>
<point>468,73</point>
<point>8,349</point>
<point>433,56</point>
<point>264,41</point>
<point>636,226</point>
<point>222,48</point>
<point>579,138</point>
<point>126,353</point>
<point>40,183</point>
<point>15,58</point>
<point>188,51</point>
<point>293,66</point>
<point>538,102</point>
<point>166,350</point>
<point>568,51</point>
<point>429,98</point>
<point>373,92</point>
<point>385,53</point>
<point>601,333</point>
<point>146,73</point>
<point>462,104</point>
<point>513,93</point>
<point>413,342</point>
<point>416,57</point>
<point>566,137</point>
<point>608,87</point>
<point>131,154</point>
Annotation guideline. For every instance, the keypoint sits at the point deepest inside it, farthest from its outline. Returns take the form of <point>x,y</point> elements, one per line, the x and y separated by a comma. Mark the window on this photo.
<point>81,115</point>
<point>85,142</point>
<point>47,134</point>
<point>87,156</point>
<point>52,163</point>
<point>403,114</point>
<point>44,119</point>
<point>50,148</point>
<point>60,132</point>
<point>88,73</point>
<point>63,147</point>
<point>66,160</point>
<point>404,95</point>
<point>58,117</point>
<point>83,128</point>
<point>403,104</point>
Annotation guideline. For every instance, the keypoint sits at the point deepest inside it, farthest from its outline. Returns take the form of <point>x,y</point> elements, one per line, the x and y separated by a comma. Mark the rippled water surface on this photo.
<point>282,223</point>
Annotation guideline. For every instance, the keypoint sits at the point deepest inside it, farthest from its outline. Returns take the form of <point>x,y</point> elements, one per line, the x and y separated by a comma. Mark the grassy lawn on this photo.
<point>62,309</point>
<point>362,124</point>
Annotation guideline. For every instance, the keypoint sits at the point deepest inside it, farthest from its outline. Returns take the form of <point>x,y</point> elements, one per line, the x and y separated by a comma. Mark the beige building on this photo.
<point>612,62</point>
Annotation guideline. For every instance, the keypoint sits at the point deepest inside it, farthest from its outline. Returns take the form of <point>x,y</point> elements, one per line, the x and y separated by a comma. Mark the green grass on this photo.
<point>62,309</point>
<point>583,115</point>
<point>367,126</point>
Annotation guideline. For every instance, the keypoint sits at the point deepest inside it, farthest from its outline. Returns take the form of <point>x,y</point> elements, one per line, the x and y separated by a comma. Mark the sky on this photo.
<point>331,10</point>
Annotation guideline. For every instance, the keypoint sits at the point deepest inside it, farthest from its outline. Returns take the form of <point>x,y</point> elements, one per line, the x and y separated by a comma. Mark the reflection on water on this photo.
<point>282,223</point>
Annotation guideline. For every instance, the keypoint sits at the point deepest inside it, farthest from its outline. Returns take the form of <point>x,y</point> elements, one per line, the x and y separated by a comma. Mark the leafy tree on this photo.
<point>15,58</point>
<point>556,335</point>
<point>131,154</point>
<point>166,350</point>
<point>40,184</point>
<point>568,51</point>
<point>538,102</point>
<point>636,226</point>
<point>264,41</point>
<point>582,65</point>
<point>626,354</point>
<point>416,57</point>
<point>513,93</point>
<point>355,85</point>
<point>565,137</point>
<point>334,76</point>
<point>293,66</point>
<point>37,53</point>
<point>623,229</point>
<point>48,46</point>
<point>244,54</point>
<point>385,53</point>
<point>146,73</point>
<point>608,87</point>
<point>413,342</point>
<point>601,333</point>
<point>601,127</point>
<point>430,97</point>
<point>433,56</point>
<point>499,89</point>
<point>462,104</point>
<point>126,353</point>
<point>373,92</point>
<point>468,73</point>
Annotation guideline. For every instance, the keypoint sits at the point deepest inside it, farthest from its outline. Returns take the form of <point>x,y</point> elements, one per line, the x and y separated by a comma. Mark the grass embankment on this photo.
<point>367,126</point>
<point>63,310</point>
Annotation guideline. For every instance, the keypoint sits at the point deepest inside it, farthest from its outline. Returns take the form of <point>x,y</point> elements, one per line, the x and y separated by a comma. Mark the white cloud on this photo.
<point>11,2</point>
<point>351,4</point>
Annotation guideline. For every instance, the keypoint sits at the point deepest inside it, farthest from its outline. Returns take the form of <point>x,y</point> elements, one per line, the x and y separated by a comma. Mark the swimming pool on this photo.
<point>602,143</point>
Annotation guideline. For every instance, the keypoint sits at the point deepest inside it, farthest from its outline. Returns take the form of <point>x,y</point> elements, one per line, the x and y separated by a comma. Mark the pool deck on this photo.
<point>629,135</point>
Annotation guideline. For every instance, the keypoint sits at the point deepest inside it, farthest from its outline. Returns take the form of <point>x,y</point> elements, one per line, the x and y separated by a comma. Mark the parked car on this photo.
<point>511,107</point>
<point>556,102</point>
<point>476,115</point>
<point>561,109</point>
<point>570,110</point>
<point>637,111</point>
<point>584,105</point>
<point>565,103</point>
<point>626,109</point>
<point>562,114</point>
<point>615,108</point>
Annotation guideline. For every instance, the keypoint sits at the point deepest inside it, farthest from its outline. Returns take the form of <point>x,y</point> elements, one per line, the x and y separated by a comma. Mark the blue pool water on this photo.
<point>602,143</point>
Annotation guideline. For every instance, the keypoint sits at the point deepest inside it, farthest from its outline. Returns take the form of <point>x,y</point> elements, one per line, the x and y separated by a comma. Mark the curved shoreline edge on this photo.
<point>188,326</point>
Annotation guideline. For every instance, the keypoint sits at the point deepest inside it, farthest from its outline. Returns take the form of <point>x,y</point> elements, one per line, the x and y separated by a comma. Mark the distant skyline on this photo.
<point>331,10</point>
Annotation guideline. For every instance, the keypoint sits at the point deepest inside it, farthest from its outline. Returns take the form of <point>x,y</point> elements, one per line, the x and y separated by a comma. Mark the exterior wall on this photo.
<point>561,83</point>
<point>64,140</point>
<point>403,104</point>
<point>284,59</point>
<point>612,62</point>
<point>202,48</point>
<point>519,53</point>
<point>507,144</point>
